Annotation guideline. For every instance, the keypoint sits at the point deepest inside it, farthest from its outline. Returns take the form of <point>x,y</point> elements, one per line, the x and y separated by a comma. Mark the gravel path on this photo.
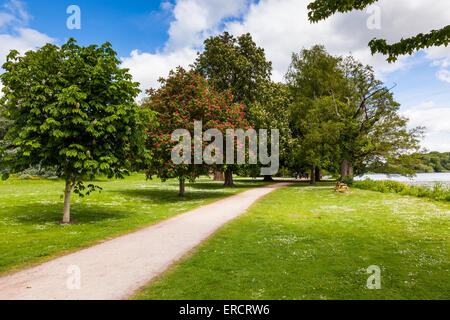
<point>115,269</point>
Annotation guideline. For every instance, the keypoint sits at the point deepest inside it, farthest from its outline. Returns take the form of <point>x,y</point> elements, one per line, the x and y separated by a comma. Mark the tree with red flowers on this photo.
<point>236,64</point>
<point>183,99</point>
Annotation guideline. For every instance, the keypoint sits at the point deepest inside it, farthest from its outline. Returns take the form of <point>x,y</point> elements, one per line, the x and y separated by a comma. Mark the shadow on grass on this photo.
<point>36,213</point>
<point>40,213</point>
<point>239,184</point>
<point>194,191</point>
<point>171,196</point>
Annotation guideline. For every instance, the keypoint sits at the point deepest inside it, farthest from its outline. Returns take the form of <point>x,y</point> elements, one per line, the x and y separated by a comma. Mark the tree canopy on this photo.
<point>322,9</point>
<point>272,111</point>
<point>234,64</point>
<point>426,162</point>
<point>343,116</point>
<point>312,75</point>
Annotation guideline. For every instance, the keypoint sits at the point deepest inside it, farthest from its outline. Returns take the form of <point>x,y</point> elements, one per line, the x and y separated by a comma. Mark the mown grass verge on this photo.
<point>29,210</point>
<point>305,242</point>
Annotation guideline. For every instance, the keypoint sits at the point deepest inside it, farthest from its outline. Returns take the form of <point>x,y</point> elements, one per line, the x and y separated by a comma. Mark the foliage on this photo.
<point>344,116</point>
<point>72,109</point>
<point>183,98</point>
<point>5,124</point>
<point>322,9</point>
<point>373,131</point>
<point>5,146</point>
<point>437,192</point>
<point>431,162</point>
<point>410,45</point>
<point>236,65</point>
<point>273,112</point>
<point>239,66</point>
<point>348,180</point>
<point>312,75</point>
<point>321,133</point>
<point>415,163</point>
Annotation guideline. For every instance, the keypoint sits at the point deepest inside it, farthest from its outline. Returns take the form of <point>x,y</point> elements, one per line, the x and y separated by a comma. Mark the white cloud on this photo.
<point>20,38</point>
<point>147,68</point>
<point>23,40</point>
<point>194,21</point>
<point>444,75</point>
<point>441,58</point>
<point>435,118</point>
<point>282,27</point>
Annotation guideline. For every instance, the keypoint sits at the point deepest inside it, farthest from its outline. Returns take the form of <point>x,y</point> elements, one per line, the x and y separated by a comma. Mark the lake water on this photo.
<point>420,178</point>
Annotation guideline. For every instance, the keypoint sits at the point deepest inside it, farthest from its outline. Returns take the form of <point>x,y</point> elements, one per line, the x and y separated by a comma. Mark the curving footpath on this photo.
<point>115,269</point>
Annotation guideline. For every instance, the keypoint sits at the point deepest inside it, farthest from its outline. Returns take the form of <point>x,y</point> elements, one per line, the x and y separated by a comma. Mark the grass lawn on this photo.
<point>306,242</point>
<point>29,211</point>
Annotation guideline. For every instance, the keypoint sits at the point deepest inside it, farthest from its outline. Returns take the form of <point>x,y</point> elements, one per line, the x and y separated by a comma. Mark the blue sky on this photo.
<point>152,37</point>
<point>127,24</point>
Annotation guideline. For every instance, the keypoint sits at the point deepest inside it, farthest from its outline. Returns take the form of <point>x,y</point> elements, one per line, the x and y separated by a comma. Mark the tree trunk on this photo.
<point>218,176</point>
<point>346,169</point>
<point>66,217</point>
<point>268,179</point>
<point>318,175</point>
<point>229,178</point>
<point>313,174</point>
<point>182,188</point>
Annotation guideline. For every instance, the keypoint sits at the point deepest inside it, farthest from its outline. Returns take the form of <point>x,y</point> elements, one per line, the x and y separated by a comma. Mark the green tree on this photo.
<point>343,116</point>
<point>424,162</point>
<point>312,75</point>
<point>322,9</point>
<point>371,130</point>
<point>72,109</point>
<point>237,65</point>
<point>320,142</point>
<point>272,111</point>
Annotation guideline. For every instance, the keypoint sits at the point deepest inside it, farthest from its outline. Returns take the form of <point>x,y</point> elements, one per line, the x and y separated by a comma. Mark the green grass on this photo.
<point>29,211</point>
<point>306,242</point>
<point>438,191</point>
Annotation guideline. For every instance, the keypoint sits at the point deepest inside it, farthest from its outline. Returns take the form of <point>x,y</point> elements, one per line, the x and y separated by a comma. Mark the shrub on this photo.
<point>348,180</point>
<point>437,192</point>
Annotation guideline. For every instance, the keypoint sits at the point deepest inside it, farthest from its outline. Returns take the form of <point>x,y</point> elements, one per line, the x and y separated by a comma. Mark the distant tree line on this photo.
<point>431,162</point>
